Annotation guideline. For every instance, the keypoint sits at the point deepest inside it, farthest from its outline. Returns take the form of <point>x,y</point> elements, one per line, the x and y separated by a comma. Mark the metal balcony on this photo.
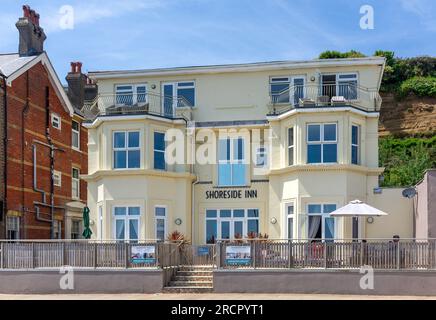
<point>326,95</point>
<point>113,104</point>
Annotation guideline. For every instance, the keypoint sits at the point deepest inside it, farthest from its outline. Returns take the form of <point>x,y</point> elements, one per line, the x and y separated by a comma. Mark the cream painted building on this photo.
<point>305,142</point>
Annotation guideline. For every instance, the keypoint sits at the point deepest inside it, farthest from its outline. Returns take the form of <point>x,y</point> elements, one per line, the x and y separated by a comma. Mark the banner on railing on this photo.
<point>203,251</point>
<point>143,254</point>
<point>238,255</point>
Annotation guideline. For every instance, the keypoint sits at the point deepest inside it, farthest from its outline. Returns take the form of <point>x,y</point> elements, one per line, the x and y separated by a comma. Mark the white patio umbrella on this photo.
<point>357,208</point>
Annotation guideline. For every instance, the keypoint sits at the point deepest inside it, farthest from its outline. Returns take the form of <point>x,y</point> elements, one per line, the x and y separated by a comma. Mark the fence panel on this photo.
<point>48,255</point>
<point>79,254</point>
<point>18,255</point>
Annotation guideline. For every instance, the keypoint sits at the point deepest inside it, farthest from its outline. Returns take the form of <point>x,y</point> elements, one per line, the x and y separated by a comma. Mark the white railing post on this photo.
<point>398,255</point>
<point>289,254</point>
<point>2,254</point>
<point>325,255</point>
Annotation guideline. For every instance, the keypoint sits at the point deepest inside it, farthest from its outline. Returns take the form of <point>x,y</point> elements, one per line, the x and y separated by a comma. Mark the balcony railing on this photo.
<point>108,104</point>
<point>326,95</point>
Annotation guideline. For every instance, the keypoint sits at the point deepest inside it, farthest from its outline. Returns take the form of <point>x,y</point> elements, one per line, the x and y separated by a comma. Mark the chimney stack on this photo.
<point>80,87</point>
<point>32,36</point>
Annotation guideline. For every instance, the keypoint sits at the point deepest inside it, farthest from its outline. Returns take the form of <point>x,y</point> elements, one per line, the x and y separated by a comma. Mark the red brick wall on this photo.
<point>2,157</point>
<point>21,195</point>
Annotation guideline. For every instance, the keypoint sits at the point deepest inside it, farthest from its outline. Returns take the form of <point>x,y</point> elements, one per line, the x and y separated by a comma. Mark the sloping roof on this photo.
<point>12,66</point>
<point>12,62</point>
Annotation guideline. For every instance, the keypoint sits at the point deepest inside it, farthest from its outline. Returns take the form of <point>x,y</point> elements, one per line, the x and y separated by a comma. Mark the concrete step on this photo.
<point>185,273</point>
<point>193,278</point>
<point>190,284</point>
<point>187,289</point>
<point>196,268</point>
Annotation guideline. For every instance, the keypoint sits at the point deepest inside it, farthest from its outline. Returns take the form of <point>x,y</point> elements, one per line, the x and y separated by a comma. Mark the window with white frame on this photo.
<point>75,183</point>
<point>76,229</point>
<point>131,94</point>
<point>13,228</point>
<point>322,143</point>
<point>231,162</point>
<point>347,85</point>
<point>261,157</point>
<point>57,178</point>
<point>279,89</point>
<point>57,229</point>
<point>160,213</point>
<point>56,121</point>
<point>178,94</point>
<point>342,84</point>
<point>355,144</point>
<point>75,135</point>
<point>126,149</point>
<point>231,224</point>
<point>127,223</point>
<point>291,146</point>
<point>159,151</point>
<point>321,225</point>
<point>290,220</point>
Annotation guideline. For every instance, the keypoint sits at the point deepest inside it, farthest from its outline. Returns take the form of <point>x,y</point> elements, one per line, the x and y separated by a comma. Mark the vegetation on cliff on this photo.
<point>406,159</point>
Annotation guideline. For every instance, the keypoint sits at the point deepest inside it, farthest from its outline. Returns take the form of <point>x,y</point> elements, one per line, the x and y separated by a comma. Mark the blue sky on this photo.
<point>132,34</point>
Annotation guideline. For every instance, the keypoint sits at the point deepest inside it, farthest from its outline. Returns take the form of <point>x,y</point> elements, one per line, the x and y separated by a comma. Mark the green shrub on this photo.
<point>420,86</point>
<point>341,55</point>
<point>406,159</point>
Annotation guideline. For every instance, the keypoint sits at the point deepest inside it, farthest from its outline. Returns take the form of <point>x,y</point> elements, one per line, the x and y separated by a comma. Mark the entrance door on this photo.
<point>168,99</point>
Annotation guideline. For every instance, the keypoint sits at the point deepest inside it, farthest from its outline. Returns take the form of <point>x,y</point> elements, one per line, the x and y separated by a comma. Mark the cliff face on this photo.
<point>412,115</point>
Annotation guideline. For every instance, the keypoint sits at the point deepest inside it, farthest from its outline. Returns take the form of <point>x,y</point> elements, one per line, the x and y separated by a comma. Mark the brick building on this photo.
<point>43,145</point>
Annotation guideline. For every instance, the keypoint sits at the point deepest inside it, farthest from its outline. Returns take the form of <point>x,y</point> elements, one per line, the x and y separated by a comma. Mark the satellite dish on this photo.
<point>409,193</point>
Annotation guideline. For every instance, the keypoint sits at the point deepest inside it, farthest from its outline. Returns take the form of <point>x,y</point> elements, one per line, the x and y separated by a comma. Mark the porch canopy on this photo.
<point>357,208</point>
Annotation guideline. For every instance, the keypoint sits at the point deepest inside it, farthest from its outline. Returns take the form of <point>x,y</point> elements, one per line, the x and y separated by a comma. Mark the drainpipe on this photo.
<point>196,181</point>
<point>23,141</point>
<point>43,203</point>
<point>5,141</point>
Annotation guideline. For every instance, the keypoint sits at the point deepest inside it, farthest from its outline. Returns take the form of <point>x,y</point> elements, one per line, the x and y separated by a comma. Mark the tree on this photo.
<point>341,55</point>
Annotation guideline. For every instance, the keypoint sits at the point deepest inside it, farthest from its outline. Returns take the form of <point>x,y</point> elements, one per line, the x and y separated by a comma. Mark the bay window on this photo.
<point>231,162</point>
<point>290,146</point>
<point>160,222</point>
<point>126,149</point>
<point>322,143</point>
<point>321,224</point>
<point>127,223</point>
<point>355,144</point>
<point>159,151</point>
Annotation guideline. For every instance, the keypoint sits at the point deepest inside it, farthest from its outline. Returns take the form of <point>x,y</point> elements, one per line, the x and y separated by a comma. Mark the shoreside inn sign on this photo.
<point>231,194</point>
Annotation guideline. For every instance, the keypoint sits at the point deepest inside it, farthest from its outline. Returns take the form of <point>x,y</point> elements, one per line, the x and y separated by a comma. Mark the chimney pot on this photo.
<point>26,11</point>
<point>32,36</point>
<point>79,67</point>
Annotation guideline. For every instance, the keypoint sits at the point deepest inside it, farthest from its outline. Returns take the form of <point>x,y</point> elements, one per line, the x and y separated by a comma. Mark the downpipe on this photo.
<point>5,141</point>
